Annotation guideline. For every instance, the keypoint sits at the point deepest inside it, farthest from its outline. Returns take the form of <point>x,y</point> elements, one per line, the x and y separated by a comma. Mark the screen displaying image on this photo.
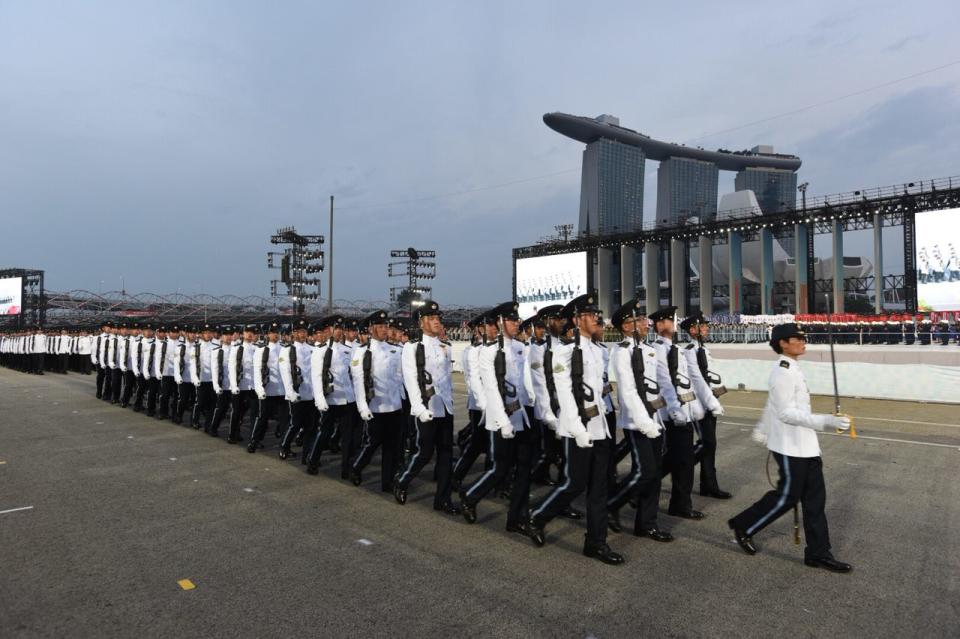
<point>10,290</point>
<point>938,269</point>
<point>551,279</point>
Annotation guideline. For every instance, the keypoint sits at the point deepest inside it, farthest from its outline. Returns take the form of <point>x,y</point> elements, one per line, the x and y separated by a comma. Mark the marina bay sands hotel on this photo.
<point>749,243</point>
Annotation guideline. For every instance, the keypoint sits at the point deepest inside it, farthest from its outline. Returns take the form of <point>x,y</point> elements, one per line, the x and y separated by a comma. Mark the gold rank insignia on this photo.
<point>354,362</point>
<point>535,365</point>
<point>559,368</point>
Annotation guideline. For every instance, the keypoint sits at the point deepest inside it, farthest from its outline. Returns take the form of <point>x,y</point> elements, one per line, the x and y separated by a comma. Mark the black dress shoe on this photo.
<point>517,527</point>
<point>355,478</point>
<point>571,513</point>
<point>313,469</point>
<point>213,433</point>
<point>686,514</point>
<point>604,554</point>
<point>536,533</point>
<point>286,454</point>
<point>654,533</point>
<point>400,494</point>
<point>448,508</point>
<point>613,523</point>
<point>744,540</point>
<point>829,563</point>
<point>716,494</point>
<point>469,512</point>
<point>231,440</point>
<point>252,447</point>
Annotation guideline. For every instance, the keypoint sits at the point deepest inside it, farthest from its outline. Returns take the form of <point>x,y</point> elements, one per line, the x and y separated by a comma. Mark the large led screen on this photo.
<point>938,270</point>
<point>10,290</point>
<point>551,279</point>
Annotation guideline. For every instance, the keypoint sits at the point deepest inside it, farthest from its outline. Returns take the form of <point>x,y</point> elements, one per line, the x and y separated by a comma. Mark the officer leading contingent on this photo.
<point>537,396</point>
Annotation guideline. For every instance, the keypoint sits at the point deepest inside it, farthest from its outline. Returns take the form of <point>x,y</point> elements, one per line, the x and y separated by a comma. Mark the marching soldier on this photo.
<point>220,377</point>
<point>114,357</point>
<point>295,362</point>
<point>425,364</point>
<point>788,428</point>
<point>509,429</point>
<point>98,357</point>
<point>377,381</point>
<point>166,366</point>
<point>144,344</point>
<point>706,407</point>
<point>635,365</point>
<point>268,385</point>
<point>578,375</point>
<point>673,378</point>
<point>183,373</point>
<point>477,440</point>
<point>203,372</point>
<point>243,396</point>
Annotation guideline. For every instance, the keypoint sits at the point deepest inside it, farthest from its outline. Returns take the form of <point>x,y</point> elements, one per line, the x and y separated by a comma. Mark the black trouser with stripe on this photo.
<point>801,480</point>
<point>384,431</point>
<point>129,385</point>
<point>205,406</point>
<point>437,434</point>
<point>220,411</point>
<point>516,453</point>
<point>153,389</point>
<point>186,399</point>
<point>274,406</point>
<point>679,464</point>
<point>140,394</point>
<point>168,397</point>
<point>708,454</point>
<point>102,380</point>
<point>116,385</point>
<point>478,443</point>
<point>646,458</point>
<point>586,469</point>
<point>551,454</point>
<point>302,416</point>
<point>239,404</point>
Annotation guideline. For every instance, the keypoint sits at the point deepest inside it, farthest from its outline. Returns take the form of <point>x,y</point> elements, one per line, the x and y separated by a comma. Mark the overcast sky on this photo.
<point>165,141</point>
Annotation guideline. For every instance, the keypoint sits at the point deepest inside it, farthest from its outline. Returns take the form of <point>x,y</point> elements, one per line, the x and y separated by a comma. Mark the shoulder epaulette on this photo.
<point>600,344</point>
<point>443,341</point>
<point>566,340</point>
<point>689,346</point>
<point>625,344</point>
<point>784,364</point>
<point>659,341</point>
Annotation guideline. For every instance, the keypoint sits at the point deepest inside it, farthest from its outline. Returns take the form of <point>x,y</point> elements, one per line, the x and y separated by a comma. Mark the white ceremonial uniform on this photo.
<point>437,362</point>
<point>385,372</point>
<point>515,364</point>
<point>633,414</point>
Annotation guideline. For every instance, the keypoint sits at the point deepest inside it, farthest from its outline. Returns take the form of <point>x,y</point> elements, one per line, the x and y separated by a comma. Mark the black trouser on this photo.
<point>384,430</point>
<point>646,457</point>
<point>129,382</point>
<point>302,417</point>
<point>37,363</point>
<point>679,464</point>
<point>551,454</point>
<point>239,404</point>
<point>514,454</point>
<point>140,394</point>
<point>62,360</point>
<point>708,454</point>
<point>220,411</point>
<point>85,364</point>
<point>801,480</point>
<point>116,385</point>
<point>168,397</point>
<point>611,418</point>
<point>478,443</point>
<point>206,404</point>
<point>274,406</point>
<point>186,400</point>
<point>437,434</point>
<point>585,469</point>
<point>103,380</point>
<point>344,417</point>
<point>153,389</point>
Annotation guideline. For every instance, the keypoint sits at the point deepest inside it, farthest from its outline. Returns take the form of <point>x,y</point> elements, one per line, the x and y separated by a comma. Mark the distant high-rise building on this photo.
<point>776,189</point>
<point>686,188</point>
<point>611,189</point>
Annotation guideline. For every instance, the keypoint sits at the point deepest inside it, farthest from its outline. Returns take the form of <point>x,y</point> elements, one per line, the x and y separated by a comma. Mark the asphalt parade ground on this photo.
<point>116,525</point>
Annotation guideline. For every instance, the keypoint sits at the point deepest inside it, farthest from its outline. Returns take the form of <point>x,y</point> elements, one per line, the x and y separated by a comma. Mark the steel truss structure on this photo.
<point>85,308</point>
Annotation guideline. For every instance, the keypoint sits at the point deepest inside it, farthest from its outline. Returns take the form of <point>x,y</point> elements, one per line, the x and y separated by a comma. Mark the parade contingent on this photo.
<point>542,410</point>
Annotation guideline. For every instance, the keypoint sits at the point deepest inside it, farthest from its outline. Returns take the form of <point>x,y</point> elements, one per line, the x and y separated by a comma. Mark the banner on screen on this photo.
<point>11,289</point>
<point>938,269</point>
<point>550,279</point>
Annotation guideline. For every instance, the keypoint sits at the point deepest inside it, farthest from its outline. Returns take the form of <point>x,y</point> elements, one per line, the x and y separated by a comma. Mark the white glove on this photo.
<point>840,422</point>
<point>196,384</point>
<point>678,417</point>
<point>583,440</point>
<point>425,416</point>
<point>293,397</point>
<point>759,436</point>
<point>236,392</point>
<point>506,429</point>
<point>718,411</point>
<point>551,422</point>
<point>650,429</point>
<point>366,415</point>
<point>262,396</point>
<point>321,404</point>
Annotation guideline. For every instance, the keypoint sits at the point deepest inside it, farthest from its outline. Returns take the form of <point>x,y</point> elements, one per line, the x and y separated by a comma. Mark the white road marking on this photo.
<point>129,436</point>
<point>13,510</point>
<point>364,542</point>
<point>248,490</point>
<point>173,459</point>
<point>873,419</point>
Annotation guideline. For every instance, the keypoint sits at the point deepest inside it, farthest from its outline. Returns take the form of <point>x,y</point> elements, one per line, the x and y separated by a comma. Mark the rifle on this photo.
<point>582,393</point>
<point>548,377</point>
<point>326,373</point>
<point>644,385</point>
<point>714,380</point>
<point>505,388</point>
<point>424,378</point>
<point>295,374</point>
<point>368,392</point>
<point>673,366</point>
